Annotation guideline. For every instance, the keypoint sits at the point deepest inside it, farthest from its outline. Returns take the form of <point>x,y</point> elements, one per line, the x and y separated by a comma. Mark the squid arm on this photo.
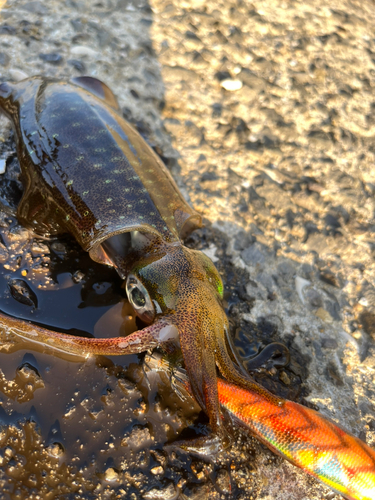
<point>142,340</point>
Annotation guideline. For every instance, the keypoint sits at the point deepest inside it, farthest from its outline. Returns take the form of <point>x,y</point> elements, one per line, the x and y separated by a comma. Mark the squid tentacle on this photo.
<point>142,340</point>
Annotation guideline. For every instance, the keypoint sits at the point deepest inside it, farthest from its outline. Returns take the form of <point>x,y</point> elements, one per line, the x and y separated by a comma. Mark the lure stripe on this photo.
<point>305,438</point>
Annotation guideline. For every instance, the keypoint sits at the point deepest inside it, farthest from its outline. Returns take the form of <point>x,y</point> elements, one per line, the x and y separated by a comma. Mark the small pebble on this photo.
<point>363,301</point>
<point>28,373</point>
<point>182,482</point>
<point>200,476</point>
<point>78,65</point>
<point>82,50</point>
<point>324,315</point>
<point>210,252</point>
<point>52,58</point>
<point>58,247</point>
<point>168,493</point>
<point>3,164</point>
<point>157,470</point>
<point>21,292</point>
<point>17,75</point>
<point>78,276</point>
<point>4,59</point>
<point>35,7</point>
<point>55,450</point>
<point>111,474</point>
<point>231,85</point>
<point>284,378</point>
<point>329,343</point>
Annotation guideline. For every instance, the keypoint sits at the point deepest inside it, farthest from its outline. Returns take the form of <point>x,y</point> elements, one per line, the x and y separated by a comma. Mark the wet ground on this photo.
<point>263,111</point>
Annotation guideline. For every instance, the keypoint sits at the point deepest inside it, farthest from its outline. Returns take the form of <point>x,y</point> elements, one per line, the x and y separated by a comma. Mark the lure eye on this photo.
<point>140,299</point>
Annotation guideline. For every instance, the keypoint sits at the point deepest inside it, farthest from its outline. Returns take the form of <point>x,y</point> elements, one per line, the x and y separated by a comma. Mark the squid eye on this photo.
<point>140,299</point>
<point>137,297</point>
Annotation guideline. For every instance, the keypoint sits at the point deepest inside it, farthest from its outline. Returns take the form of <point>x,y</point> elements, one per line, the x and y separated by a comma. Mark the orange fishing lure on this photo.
<point>301,435</point>
<point>306,439</point>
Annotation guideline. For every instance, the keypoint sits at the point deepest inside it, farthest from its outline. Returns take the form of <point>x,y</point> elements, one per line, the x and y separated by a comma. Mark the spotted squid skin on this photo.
<point>85,170</point>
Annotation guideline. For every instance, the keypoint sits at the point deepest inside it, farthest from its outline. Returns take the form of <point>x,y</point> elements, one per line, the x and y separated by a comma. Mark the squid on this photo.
<point>88,173</point>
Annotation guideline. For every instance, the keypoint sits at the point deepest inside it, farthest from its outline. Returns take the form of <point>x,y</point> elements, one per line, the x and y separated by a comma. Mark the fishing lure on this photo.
<point>87,172</point>
<point>301,435</point>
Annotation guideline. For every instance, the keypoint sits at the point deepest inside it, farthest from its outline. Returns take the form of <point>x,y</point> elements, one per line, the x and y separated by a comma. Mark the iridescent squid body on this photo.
<point>87,172</point>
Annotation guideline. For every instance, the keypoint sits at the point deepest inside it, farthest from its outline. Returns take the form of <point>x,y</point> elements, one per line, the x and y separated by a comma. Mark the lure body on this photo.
<point>309,441</point>
<point>87,172</point>
<point>299,434</point>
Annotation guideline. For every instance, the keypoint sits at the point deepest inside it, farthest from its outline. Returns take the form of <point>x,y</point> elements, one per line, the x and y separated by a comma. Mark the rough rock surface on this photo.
<point>264,112</point>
